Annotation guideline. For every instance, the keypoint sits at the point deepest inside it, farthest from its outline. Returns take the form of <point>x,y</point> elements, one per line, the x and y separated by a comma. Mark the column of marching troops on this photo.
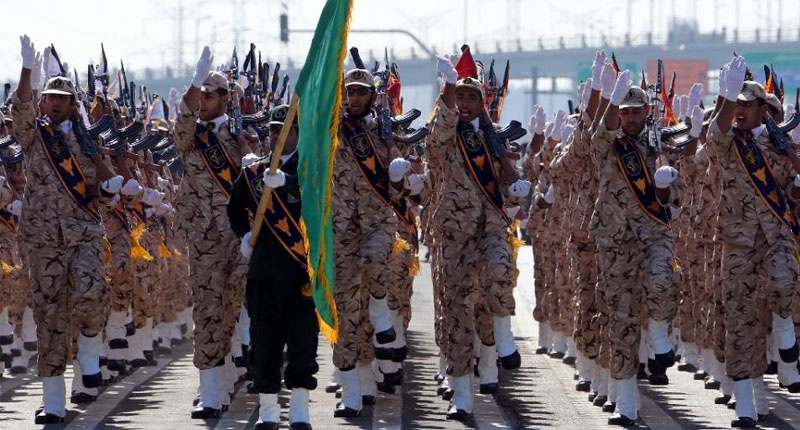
<point>120,241</point>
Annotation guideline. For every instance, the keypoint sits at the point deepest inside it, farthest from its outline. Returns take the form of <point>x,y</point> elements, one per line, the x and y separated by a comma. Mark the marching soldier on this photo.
<point>278,295</point>
<point>630,226</point>
<point>63,236</point>
<point>364,227</point>
<point>211,156</point>
<point>472,225</point>
<point>758,230</point>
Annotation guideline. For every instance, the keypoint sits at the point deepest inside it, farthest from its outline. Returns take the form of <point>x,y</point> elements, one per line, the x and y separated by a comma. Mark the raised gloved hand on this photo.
<point>274,180</point>
<point>734,78</point>
<point>621,88</point>
<point>597,69</point>
<point>520,188</point>
<point>697,121</point>
<point>585,95</point>
<point>558,125</point>
<point>607,80</point>
<point>678,103</point>
<point>566,132</point>
<point>550,195</point>
<point>446,68</point>
<point>112,185</point>
<point>15,207</point>
<point>398,168</point>
<point>203,67</point>
<point>249,159</point>
<point>538,121</point>
<point>131,188</point>
<point>244,247</point>
<point>695,97</point>
<point>36,71</point>
<point>416,183</point>
<point>28,52</point>
<point>665,176</point>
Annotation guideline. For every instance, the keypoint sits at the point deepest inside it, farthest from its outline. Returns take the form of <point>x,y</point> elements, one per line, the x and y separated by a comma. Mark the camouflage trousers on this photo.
<point>704,294</point>
<point>717,310</point>
<point>539,289</point>
<point>564,310</point>
<point>362,269</point>
<point>585,263</point>
<point>120,273</point>
<point>690,287</point>
<point>631,269</point>
<point>477,273</point>
<point>777,265</point>
<point>68,289</point>
<point>217,273</point>
<point>439,313</point>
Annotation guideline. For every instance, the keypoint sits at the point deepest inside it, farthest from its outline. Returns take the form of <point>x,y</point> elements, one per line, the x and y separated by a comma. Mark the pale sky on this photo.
<point>145,32</point>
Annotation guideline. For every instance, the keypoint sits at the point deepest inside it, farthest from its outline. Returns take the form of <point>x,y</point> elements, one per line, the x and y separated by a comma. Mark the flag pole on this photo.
<point>266,195</point>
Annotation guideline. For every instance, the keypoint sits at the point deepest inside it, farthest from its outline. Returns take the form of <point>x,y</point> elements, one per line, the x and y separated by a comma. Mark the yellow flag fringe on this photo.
<point>137,251</point>
<point>106,251</point>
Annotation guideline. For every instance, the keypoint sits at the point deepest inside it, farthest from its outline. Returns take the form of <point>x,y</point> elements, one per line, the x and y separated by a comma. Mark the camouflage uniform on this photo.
<point>475,251</point>
<point>216,267</point>
<point>756,243</point>
<point>64,245</point>
<point>630,244</point>
<point>363,229</point>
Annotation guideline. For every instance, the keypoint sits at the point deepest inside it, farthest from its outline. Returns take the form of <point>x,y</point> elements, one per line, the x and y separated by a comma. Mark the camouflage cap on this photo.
<point>470,83</point>
<point>214,81</point>
<point>635,97</point>
<point>752,90</point>
<point>60,85</point>
<point>775,102</point>
<point>359,77</point>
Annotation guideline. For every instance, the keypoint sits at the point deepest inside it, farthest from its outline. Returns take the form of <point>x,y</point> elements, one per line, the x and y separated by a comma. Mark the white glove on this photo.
<point>512,211</point>
<point>678,103</point>
<point>162,183</point>
<point>548,129</point>
<point>398,168</point>
<point>520,188</point>
<point>550,195</point>
<point>36,71</point>
<point>797,180</point>
<point>245,248</point>
<point>112,185</point>
<point>538,121</point>
<point>28,52</point>
<point>203,67</point>
<point>697,121</point>
<point>15,207</point>
<point>152,197</point>
<point>598,65</point>
<point>695,97</point>
<point>416,183</point>
<point>249,159</point>
<point>621,88</point>
<point>163,209</point>
<point>558,125</point>
<point>445,66</point>
<point>607,80</point>
<point>721,80</point>
<point>734,78</point>
<point>665,176</point>
<point>131,188</point>
<point>567,132</point>
<point>148,212</point>
<point>274,180</point>
<point>46,62</point>
<point>586,95</point>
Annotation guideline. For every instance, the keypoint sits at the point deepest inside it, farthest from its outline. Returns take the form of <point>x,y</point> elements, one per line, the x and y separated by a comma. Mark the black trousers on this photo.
<point>280,315</point>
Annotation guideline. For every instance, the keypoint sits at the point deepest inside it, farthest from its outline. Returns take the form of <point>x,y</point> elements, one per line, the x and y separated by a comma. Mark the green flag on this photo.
<point>320,98</point>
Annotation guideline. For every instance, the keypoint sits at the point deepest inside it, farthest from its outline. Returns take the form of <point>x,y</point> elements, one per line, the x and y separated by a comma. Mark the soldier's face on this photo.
<point>469,104</point>
<point>359,100</point>
<point>633,120</point>
<point>57,107</point>
<point>212,105</point>
<point>748,114</point>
